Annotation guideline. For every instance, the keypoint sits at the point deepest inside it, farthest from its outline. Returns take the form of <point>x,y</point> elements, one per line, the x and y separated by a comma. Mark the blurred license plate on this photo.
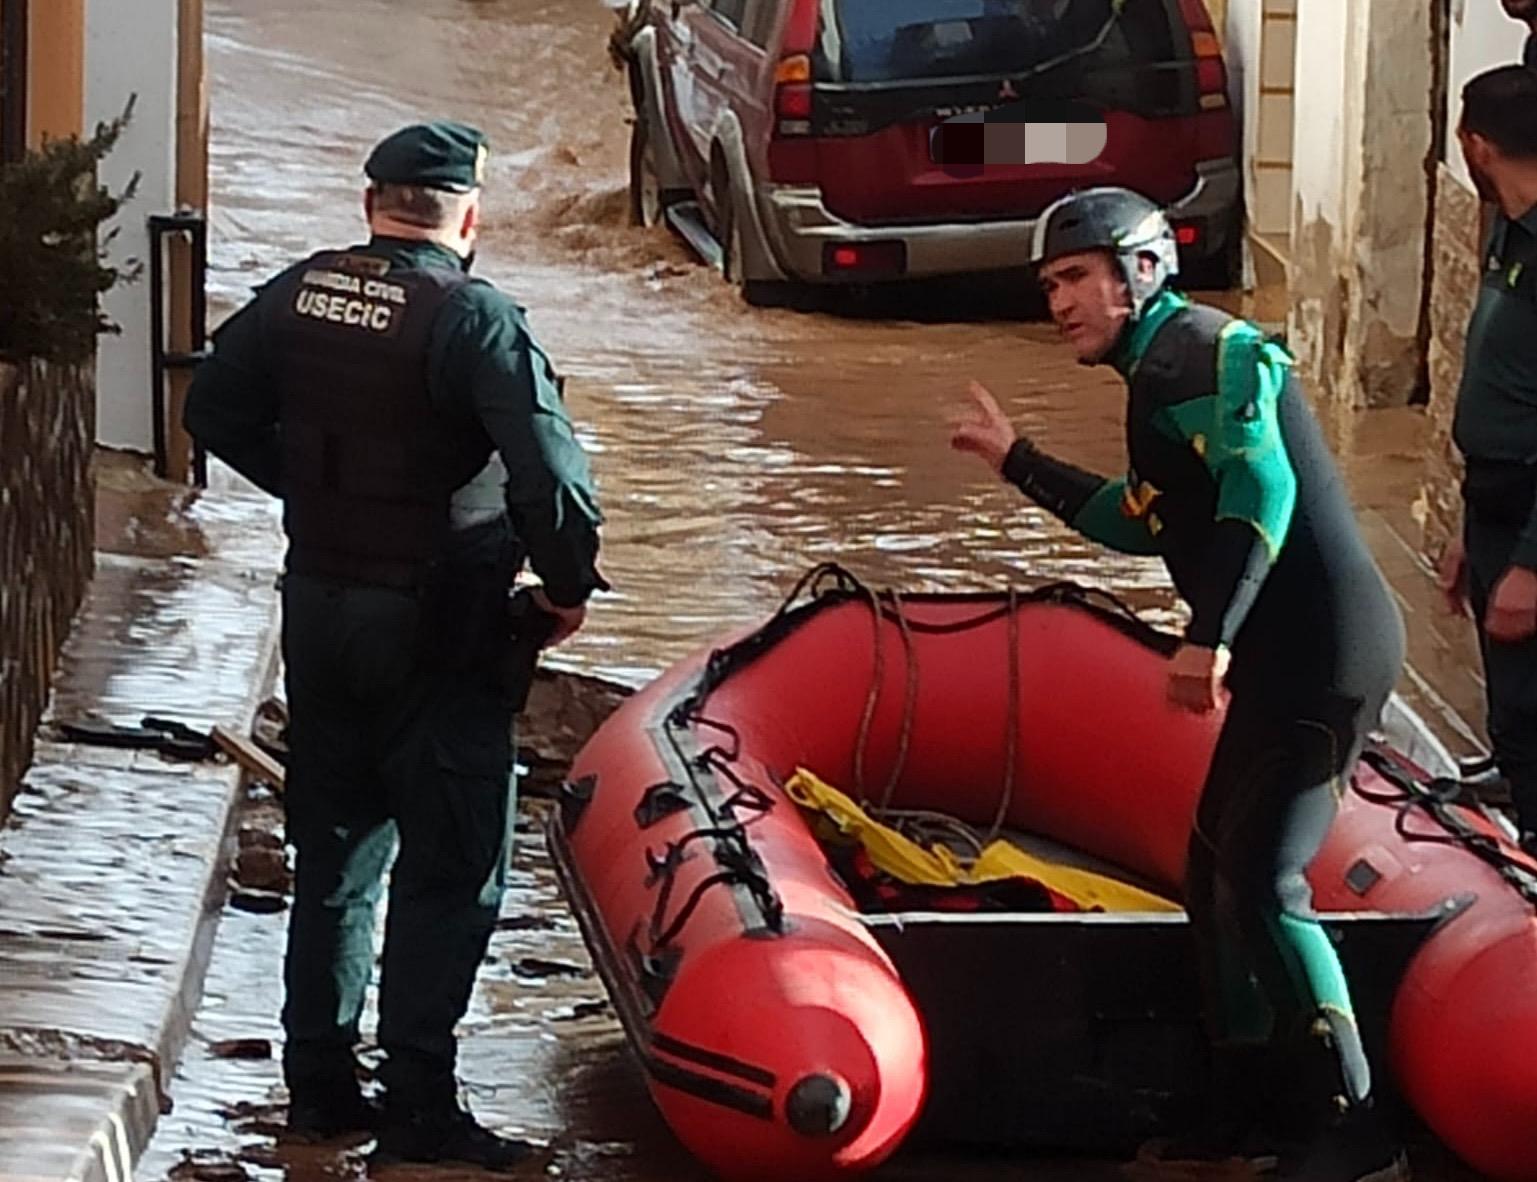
<point>976,141</point>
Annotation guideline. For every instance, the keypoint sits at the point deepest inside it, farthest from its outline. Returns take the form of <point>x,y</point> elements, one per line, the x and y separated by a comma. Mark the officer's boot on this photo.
<point>1232,1127</point>
<point>327,1104</point>
<point>1345,1137</point>
<point>424,1122</point>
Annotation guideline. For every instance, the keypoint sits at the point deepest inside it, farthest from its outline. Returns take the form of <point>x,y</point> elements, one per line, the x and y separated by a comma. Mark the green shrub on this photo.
<point>53,268</point>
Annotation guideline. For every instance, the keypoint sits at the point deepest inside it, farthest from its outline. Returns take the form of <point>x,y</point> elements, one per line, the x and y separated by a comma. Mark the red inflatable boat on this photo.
<point>778,1036</point>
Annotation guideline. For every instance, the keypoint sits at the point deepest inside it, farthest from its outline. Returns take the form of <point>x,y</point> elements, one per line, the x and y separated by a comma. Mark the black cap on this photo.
<point>440,155</point>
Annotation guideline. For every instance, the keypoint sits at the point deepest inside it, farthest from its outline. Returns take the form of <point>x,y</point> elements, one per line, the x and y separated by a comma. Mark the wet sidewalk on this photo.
<point>112,864</point>
<point>1443,674</point>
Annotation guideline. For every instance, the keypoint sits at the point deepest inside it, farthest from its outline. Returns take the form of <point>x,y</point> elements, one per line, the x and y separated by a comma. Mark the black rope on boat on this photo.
<point>830,585</point>
<point>739,866</point>
<point>877,680</point>
<point>1439,799</point>
<point>747,795</point>
<point>733,853</point>
<point>826,586</point>
<point>1011,745</point>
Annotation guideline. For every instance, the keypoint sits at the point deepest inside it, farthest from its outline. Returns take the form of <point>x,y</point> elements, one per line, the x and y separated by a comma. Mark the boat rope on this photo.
<point>747,795</point>
<point>739,866</point>
<point>928,828</point>
<point>826,586</point>
<point>829,585</point>
<point>737,862</point>
<point>877,679</point>
<point>909,702</point>
<point>1011,743</point>
<point>1440,800</point>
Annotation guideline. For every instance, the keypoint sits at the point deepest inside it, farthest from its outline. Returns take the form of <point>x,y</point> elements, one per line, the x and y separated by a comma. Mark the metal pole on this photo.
<point>199,330</point>
<point>186,276</point>
<point>157,342</point>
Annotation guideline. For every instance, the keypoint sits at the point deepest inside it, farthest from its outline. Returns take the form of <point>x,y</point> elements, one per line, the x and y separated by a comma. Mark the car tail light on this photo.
<point>1210,73</point>
<point>868,259</point>
<point>792,77</point>
<point>792,94</point>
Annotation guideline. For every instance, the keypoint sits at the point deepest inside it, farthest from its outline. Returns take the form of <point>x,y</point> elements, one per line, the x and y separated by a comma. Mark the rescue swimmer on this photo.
<point>1233,485</point>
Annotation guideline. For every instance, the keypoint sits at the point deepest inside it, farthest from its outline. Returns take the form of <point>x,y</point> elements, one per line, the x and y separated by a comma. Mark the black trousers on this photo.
<point>399,736</point>
<point>1510,670</point>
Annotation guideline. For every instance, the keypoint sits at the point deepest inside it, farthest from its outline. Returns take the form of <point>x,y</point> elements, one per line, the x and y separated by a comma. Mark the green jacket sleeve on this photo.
<point>1089,503</point>
<point>1105,519</point>
<point>1238,434</point>
<point>232,405</point>
<point>482,350</point>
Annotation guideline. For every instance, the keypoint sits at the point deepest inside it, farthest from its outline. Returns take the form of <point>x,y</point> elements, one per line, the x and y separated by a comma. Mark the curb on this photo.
<point>114,863</point>
<point>113,1109</point>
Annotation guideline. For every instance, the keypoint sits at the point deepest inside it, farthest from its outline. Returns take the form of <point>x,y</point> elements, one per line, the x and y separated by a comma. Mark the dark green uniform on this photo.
<point>1496,430</point>
<point>1233,485</point>
<point>388,400</point>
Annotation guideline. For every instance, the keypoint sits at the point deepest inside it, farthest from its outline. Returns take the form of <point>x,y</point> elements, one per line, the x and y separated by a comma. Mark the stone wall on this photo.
<point>47,426</point>
<point>1361,192</point>
<point>1454,288</point>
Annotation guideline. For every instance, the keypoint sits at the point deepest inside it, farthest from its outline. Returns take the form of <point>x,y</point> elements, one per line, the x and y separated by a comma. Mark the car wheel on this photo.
<point>648,200</point>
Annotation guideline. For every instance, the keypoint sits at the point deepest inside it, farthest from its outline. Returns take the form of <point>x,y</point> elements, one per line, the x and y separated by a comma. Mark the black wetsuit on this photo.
<point>1231,482</point>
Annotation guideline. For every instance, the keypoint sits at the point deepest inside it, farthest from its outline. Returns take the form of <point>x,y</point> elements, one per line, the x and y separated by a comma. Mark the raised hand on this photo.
<point>983,429</point>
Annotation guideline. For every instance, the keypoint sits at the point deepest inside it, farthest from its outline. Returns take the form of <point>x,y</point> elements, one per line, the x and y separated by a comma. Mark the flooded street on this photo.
<point>734,448</point>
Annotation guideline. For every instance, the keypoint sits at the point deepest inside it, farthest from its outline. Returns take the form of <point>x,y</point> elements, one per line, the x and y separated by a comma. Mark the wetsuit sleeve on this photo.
<point>1238,434</point>
<point>1088,503</point>
<point>483,350</point>
<point>232,405</point>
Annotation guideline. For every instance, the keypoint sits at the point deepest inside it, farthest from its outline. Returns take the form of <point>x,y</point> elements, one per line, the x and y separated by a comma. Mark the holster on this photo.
<point>529,629</point>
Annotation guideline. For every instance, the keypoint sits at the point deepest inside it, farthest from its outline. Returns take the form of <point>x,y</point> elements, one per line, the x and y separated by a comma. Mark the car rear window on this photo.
<point>910,40</point>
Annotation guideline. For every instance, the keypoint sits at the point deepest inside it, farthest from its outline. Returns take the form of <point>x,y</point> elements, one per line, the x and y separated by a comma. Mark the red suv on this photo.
<point>858,141</point>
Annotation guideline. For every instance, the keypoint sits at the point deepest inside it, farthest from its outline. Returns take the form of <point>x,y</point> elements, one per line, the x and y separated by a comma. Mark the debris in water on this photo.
<point>582,1009</point>
<point>263,869</point>
<point>208,1165</point>
<point>524,923</point>
<point>257,902</point>
<point>537,966</point>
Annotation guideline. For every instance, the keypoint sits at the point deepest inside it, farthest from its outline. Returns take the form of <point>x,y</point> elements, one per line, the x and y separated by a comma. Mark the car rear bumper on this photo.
<point>799,227</point>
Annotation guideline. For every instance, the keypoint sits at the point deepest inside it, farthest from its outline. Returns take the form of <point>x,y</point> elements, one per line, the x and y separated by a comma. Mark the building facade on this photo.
<point>1363,223</point>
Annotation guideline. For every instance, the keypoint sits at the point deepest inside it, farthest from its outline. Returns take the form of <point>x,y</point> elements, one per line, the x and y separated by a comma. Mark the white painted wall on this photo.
<point>1482,37</point>
<point>1241,50</point>
<point>1330,39</point>
<point>131,49</point>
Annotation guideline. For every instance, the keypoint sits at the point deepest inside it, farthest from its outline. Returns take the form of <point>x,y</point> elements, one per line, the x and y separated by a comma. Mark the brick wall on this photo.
<point>47,425</point>
<point>1454,288</point>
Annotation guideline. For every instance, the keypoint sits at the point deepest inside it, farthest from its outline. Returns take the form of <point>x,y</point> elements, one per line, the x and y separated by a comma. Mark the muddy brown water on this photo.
<point>734,448</point>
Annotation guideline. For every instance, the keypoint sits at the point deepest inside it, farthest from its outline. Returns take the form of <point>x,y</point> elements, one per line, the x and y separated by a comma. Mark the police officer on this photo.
<point>1494,564</point>
<point>1231,483</point>
<point>416,435</point>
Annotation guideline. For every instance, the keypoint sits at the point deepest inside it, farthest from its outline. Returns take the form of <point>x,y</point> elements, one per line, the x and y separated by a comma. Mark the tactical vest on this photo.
<point>369,463</point>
